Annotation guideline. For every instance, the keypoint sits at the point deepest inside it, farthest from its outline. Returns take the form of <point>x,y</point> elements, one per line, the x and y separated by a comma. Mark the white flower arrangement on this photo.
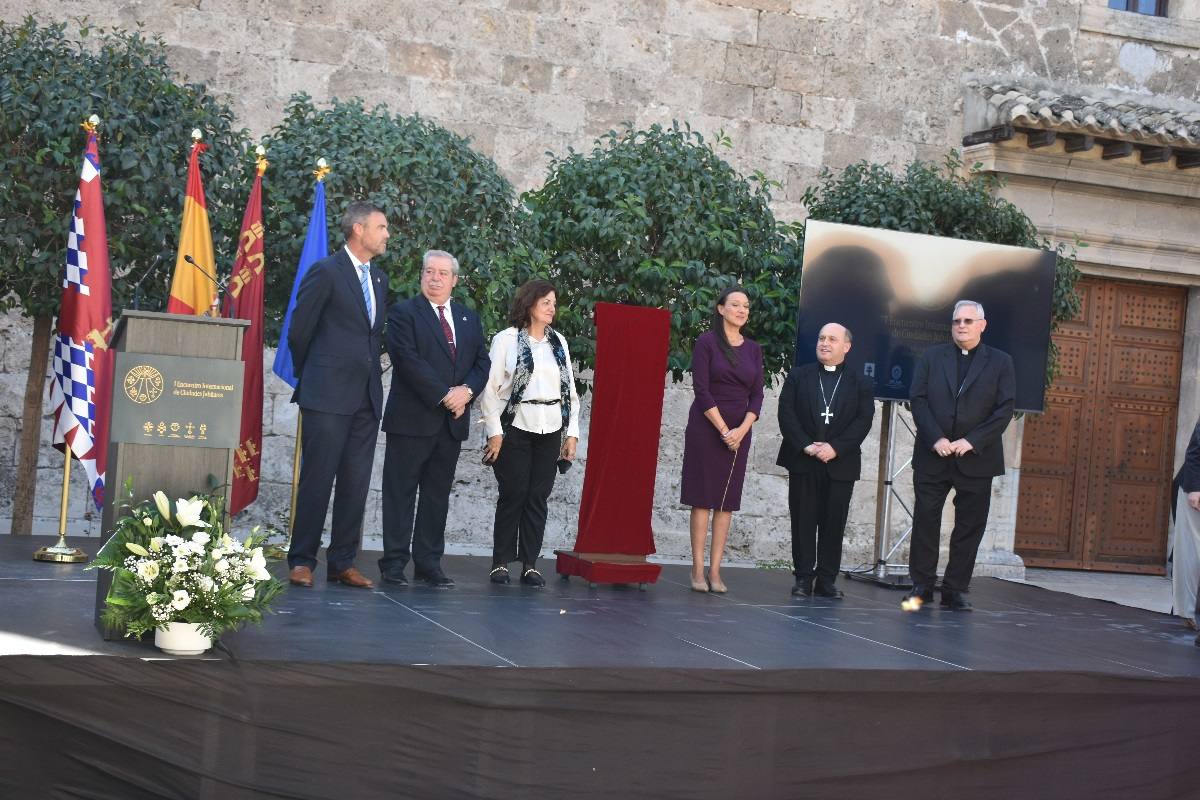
<point>173,562</point>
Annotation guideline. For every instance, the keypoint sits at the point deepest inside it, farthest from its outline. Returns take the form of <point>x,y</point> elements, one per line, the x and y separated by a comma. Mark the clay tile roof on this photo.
<point>1100,113</point>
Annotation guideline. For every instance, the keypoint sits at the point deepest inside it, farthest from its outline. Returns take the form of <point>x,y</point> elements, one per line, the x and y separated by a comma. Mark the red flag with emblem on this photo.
<point>245,301</point>
<point>81,390</point>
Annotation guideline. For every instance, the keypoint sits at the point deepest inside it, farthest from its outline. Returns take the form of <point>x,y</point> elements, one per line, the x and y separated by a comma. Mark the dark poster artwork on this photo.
<point>896,293</point>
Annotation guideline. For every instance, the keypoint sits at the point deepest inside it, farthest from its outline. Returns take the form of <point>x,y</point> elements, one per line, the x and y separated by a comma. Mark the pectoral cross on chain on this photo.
<point>827,414</point>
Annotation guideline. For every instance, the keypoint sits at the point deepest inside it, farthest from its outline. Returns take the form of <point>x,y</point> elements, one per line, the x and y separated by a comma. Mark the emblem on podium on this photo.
<point>143,384</point>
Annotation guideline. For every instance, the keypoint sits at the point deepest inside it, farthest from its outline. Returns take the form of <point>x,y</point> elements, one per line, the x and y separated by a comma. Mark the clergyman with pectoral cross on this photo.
<point>825,413</point>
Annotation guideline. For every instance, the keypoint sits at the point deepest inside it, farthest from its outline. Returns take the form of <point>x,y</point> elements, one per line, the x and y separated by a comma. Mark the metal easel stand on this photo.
<point>892,576</point>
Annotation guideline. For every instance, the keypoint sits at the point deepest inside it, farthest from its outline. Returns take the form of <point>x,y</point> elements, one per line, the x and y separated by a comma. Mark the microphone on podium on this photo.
<point>215,311</point>
<point>137,287</point>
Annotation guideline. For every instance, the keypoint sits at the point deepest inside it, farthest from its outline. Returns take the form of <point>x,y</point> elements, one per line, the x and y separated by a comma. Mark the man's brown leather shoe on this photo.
<point>351,577</point>
<point>300,576</point>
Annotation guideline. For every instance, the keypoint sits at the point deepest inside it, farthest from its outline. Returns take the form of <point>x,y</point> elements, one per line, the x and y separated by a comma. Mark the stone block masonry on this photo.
<point>849,80</point>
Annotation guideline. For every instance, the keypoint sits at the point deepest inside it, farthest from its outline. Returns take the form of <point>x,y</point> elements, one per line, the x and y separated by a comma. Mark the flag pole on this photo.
<point>308,255</point>
<point>295,478</point>
<point>84,323</point>
<point>60,552</point>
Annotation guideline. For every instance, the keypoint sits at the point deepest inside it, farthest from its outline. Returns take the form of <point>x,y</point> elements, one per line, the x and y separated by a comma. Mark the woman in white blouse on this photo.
<point>531,418</point>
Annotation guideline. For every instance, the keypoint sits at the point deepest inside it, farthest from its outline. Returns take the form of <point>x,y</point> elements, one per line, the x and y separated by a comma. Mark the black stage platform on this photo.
<point>603,692</point>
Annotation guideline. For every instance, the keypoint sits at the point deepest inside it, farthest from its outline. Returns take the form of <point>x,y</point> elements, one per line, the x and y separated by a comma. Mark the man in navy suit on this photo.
<point>825,412</point>
<point>336,339</point>
<point>439,364</point>
<point>962,400</point>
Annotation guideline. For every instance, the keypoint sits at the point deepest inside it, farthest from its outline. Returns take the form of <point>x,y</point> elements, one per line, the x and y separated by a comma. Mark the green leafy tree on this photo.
<point>437,192</point>
<point>940,201</point>
<point>656,217</point>
<point>50,82</point>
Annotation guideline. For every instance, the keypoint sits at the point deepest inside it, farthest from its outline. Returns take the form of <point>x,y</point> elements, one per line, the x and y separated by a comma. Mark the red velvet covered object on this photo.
<point>615,534</point>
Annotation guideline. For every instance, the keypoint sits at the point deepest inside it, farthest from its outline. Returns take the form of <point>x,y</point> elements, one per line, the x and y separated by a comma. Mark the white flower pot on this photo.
<point>181,639</point>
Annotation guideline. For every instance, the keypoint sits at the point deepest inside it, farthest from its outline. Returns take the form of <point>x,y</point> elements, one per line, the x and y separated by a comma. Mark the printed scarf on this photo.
<point>524,369</point>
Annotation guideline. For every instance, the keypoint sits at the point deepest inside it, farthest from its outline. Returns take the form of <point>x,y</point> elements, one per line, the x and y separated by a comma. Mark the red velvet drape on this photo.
<point>622,450</point>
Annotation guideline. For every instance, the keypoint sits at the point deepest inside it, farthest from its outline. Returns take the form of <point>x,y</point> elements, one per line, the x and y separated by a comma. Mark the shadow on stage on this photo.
<point>509,691</point>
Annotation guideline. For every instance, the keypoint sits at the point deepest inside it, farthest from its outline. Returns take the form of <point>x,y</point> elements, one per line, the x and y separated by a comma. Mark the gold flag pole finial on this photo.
<point>322,169</point>
<point>91,124</point>
<point>260,161</point>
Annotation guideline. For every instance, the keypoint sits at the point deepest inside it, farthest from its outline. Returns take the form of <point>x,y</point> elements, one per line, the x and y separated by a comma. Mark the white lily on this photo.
<point>163,504</point>
<point>147,570</point>
<point>258,565</point>
<point>187,513</point>
<point>156,544</point>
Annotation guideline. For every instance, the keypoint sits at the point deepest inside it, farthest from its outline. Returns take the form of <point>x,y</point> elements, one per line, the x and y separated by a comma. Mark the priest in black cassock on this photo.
<point>825,412</point>
<point>962,398</point>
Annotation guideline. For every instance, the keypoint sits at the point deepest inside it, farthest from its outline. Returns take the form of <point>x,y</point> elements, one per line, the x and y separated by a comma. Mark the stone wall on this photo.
<point>797,84</point>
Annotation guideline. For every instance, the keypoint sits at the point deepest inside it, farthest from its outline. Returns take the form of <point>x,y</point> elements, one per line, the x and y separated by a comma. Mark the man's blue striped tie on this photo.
<point>364,274</point>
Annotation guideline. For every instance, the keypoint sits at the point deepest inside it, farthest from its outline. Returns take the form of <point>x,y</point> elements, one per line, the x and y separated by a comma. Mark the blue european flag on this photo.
<point>316,247</point>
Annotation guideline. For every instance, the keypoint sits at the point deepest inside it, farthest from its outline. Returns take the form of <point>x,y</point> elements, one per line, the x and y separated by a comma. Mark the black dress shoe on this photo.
<point>437,579</point>
<point>919,591</point>
<point>394,578</point>
<point>803,588</point>
<point>499,574</point>
<point>828,590</point>
<point>531,577</point>
<point>955,601</point>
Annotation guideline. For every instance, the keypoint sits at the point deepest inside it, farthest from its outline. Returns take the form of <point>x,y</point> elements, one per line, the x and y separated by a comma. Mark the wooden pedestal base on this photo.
<point>598,568</point>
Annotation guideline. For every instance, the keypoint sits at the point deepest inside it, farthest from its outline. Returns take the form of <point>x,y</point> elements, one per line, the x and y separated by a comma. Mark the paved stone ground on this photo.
<point>1151,592</point>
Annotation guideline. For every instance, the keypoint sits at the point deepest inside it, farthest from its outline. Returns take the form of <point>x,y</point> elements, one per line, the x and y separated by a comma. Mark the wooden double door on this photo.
<point>1096,467</point>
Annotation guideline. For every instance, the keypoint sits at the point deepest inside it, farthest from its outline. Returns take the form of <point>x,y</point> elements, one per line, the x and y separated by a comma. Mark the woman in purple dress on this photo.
<point>727,375</point>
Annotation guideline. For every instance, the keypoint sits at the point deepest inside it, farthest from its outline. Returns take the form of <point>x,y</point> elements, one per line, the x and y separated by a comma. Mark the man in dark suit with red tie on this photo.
<point>962,398</point>
<point>439,364</point>
<point>336,340</point>
<point>825,412</point>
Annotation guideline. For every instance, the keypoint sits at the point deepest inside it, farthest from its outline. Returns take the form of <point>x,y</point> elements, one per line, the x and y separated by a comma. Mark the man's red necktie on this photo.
<point>447,330</point>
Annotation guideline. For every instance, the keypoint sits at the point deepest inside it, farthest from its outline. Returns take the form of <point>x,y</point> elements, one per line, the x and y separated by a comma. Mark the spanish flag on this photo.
<point>192,291</point>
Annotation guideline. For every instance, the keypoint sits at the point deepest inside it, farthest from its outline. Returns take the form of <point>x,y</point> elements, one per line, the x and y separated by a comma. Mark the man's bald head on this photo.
<point>833,342</point>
